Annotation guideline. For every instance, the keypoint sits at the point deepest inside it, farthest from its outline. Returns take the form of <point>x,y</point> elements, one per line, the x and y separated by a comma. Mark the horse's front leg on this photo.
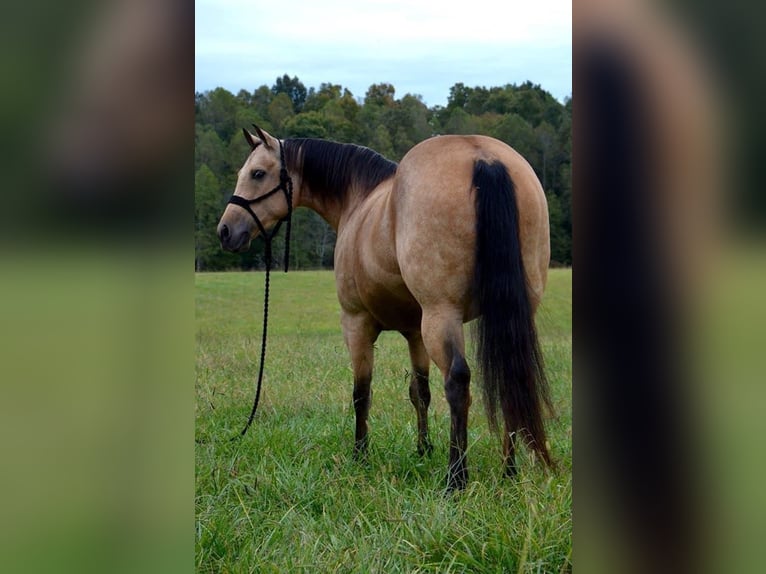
<point>360,333</point>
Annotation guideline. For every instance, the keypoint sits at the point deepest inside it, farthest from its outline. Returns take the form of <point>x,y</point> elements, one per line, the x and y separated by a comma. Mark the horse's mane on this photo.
<point>331,169</point>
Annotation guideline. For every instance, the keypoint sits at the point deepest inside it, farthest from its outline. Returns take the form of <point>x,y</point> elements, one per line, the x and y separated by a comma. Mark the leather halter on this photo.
<point>286,186</point>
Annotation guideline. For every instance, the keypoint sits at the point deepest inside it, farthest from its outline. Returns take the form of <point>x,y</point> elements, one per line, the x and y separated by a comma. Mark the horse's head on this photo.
<point>262,196</point>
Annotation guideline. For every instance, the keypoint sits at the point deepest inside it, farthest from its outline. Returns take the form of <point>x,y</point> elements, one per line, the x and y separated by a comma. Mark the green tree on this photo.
<point>349,106</point>
<point>260,101</point>
<point>340,119</point>
<point>217,110</point>
<point>439,116</point>
<point>374,132</point>
<point>280,110</point>
<point>501,100</point>
<point>381,95</point>
<point>293,88</point>
<point>246,116</point>
<point>318,99</point>
<point>208,149</point>
<point>207,210</point>
<point>381,142</point>
<point>460,122</point>
<point>476,103</point>
<point>517,133</point>
<point>236,153</point>
<point>563,159</point>
<point>487,122</point>
<point>408,121</point>
<point>244,98</point>
<point>536,105</point>
<point>306,125</point>
<point>525,116</point>
<point>546,145</point>
<point>561,238</point>
<point>458,96</point>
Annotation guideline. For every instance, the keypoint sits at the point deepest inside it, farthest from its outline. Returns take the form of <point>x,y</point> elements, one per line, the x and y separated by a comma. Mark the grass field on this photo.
<point>289,497</point>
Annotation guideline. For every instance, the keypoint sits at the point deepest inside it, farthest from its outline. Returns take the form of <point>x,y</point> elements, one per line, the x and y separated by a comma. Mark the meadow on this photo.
<point>289,496</point>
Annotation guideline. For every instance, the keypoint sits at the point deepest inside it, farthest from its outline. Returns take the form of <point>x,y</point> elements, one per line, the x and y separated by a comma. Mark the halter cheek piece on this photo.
<point>286,186</point>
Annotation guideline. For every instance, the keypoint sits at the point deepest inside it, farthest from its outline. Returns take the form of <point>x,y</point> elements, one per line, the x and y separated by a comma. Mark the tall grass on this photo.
<point>289,497</point>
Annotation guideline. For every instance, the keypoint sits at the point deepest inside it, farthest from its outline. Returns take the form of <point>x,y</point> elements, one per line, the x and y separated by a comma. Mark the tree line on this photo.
<point>525,116</point>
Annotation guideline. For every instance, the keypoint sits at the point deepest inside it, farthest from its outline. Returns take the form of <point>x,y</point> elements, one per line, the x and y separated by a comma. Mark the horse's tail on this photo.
<point>508,352</point>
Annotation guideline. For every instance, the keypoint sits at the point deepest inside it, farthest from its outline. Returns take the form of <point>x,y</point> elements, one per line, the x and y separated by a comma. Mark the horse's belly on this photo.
<point>393,306</point>
<point>382,295</point>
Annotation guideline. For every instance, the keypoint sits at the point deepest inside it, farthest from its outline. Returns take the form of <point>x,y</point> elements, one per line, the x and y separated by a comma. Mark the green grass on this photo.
<point>289,497</point>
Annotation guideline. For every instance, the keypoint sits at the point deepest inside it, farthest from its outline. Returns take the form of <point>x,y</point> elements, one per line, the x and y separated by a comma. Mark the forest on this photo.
<point>525,116</point>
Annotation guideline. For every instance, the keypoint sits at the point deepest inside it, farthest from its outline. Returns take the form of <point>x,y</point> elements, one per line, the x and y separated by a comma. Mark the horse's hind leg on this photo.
<point>443,337</point>
<point>360,334</point>
<point>420,393</point>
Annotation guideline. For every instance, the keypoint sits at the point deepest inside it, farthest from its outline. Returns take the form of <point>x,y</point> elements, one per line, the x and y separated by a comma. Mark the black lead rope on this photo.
<point>263,341</point>
<point>285,185</point>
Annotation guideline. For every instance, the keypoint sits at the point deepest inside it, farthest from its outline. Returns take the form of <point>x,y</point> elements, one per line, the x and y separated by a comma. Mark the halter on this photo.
<point>285,185</point>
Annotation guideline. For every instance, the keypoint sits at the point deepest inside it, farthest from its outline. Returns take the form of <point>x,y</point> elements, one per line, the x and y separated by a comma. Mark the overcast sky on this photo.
<point>420,46</point>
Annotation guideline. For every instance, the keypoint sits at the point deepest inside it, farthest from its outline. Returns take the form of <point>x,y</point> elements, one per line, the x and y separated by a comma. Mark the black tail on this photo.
<point>508,352</point>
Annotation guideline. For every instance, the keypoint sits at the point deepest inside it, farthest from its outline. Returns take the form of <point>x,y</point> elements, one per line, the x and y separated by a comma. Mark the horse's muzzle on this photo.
<point>233,240</point>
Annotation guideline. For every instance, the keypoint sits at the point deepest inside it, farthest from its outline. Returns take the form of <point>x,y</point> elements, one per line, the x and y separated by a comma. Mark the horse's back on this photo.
<point>436,219</point>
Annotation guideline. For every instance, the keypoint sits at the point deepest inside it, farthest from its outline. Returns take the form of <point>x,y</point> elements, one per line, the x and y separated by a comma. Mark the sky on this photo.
<point>421,47</point>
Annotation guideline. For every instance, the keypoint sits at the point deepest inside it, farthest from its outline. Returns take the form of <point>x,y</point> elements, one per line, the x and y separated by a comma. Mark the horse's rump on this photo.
<point>436,218</point>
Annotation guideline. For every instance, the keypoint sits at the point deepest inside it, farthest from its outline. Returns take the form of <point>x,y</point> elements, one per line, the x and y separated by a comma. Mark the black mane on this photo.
<point>331,169</point>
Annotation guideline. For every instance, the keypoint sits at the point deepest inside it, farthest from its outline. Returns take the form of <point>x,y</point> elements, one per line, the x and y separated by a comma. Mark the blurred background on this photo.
<point>669,276</point>
<point>97,301</point>
<point>96,295</point>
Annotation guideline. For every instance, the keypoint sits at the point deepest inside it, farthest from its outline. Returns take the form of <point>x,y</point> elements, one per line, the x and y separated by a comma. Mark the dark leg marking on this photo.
<point>459,399</point>
<point>420,395</point>
<point>362,400</point>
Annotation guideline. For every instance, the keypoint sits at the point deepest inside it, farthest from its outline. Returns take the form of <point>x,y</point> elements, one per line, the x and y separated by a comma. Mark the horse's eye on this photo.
<point>258,174</point>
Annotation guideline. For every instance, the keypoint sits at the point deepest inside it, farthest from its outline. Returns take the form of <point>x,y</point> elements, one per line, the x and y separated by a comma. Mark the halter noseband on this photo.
<point>286,186</point>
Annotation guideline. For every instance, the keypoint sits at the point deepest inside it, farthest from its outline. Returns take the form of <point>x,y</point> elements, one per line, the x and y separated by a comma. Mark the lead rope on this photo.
<point>286,184</point>
<point>267,256</point>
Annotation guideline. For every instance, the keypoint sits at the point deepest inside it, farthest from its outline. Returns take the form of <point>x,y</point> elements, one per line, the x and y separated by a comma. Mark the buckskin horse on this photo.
<point>458,230</point>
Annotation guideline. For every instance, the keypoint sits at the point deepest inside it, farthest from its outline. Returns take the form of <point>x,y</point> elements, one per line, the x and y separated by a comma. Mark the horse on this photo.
<point>457,231</point>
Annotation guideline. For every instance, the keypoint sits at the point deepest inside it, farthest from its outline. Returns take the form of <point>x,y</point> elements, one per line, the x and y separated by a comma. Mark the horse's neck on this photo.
<point>333,210</point>
<point>366,235</point>
<point>329,210</point>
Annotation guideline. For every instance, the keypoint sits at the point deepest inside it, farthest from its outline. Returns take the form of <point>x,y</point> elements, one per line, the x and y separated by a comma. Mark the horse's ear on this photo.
<point>268,140</point>
<point>252,142</point>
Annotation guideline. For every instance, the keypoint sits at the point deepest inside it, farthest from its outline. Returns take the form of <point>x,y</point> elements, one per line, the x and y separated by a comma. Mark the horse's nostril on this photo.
<point>224,232</point>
